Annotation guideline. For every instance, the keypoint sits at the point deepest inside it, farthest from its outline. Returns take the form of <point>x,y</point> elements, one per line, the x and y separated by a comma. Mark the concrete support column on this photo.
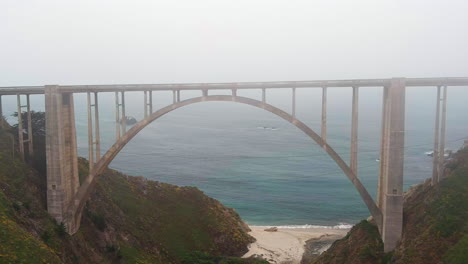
<point>20,127</point>
<point>117,116</point>
<point>124,116</point>
<point>435,153</point>
<point>324,115</point>
<point>148,105</point>
<point>62,157</point>
<point>354,130</point>
<point>205,92</point>
<point>30,129</point>
<point>145,105</point>
<point>383,160</point>
<point>392,154</point>
<point>174,97</point>
<point>150,102</point>
<point>263,95</point>
<point>440,173</point>
<point>234,92</point>
<point>178,95</point>
<point>90,135</point>
<point>1,113</point>
<point>96,127</point>
<point>294,102</point>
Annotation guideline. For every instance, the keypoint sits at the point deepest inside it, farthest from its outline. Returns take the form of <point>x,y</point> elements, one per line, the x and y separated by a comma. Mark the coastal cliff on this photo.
<point>435,229</point>
<point>127,220</point>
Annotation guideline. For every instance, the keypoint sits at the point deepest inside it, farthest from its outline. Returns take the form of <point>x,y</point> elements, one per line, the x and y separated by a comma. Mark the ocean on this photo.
<point>262,166</point>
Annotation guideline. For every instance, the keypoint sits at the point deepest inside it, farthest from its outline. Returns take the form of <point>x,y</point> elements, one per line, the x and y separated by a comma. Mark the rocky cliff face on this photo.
<point>127,220</point>
<point>435,226</point>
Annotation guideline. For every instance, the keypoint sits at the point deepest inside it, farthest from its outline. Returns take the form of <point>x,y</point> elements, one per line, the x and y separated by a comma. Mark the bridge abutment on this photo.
<point>390,190</point>
<point>62,157</point>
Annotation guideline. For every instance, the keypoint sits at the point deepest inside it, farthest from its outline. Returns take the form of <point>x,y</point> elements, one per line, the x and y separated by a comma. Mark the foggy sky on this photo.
<point>95,42</point>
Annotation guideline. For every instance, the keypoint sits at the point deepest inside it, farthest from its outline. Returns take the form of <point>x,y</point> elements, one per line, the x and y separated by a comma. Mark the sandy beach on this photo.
<point>286,246</point>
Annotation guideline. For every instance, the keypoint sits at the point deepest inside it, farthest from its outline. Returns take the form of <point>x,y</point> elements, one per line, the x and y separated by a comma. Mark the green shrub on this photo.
<point>60,229</point>
<point>46,236</point>
<point>98,221</point>
<point>458,254</point>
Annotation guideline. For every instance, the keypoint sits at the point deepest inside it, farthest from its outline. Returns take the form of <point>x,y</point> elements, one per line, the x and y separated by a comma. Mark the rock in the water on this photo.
<point>271,229</point>
<point>129,120</point>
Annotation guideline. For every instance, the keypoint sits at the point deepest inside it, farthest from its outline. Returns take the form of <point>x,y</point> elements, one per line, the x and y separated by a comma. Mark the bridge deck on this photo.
<point>410,82</point>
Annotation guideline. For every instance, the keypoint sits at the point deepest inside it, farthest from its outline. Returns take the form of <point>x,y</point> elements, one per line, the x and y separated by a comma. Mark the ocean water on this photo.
<point>263,166</point>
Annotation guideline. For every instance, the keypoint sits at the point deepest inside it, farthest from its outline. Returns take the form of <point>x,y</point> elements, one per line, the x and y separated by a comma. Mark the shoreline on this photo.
<point>288,244</point>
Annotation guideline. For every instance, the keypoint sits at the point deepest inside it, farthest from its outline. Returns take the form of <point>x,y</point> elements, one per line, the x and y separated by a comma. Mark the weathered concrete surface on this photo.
<point>61,152</point>
<point>392,157</point>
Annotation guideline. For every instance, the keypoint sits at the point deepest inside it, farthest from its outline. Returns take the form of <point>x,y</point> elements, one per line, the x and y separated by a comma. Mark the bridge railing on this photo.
<point>446,81</point>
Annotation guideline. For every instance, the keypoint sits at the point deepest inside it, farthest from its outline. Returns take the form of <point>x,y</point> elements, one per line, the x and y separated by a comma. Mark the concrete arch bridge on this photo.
<point>66,197</point>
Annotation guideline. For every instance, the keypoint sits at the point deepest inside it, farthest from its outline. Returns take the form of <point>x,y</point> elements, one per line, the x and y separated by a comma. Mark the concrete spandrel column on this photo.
<point>294,102</point>
<point>354,130</point>
<point>324,115</point>
<point>393,137</point>
<point>150,102</point>
<point>1,113</point>
<point>124,116</point>
<point>96,127</point>
<point>381,183</point>
<point>440,167</point>
<point>117,116</point>
<point>145,105</point>
<point>435,153</point>
<point>30,129</point>
<point>20,127</point>
<point>90,135</point>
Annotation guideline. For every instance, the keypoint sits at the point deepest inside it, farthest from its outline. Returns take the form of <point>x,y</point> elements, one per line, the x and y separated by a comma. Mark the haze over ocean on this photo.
<point>263,166</point>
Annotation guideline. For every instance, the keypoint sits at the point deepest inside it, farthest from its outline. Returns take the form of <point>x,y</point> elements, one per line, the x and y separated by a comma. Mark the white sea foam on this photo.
<point>338,226</point>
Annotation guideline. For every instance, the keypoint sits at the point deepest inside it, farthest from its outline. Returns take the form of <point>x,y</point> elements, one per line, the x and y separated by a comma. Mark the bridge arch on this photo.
<point>86,188</point>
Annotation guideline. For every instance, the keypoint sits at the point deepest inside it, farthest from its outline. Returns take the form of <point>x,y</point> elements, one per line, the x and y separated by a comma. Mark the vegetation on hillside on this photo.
<point>127,220</point>
<point>435,226</point>
<point>361,245</point>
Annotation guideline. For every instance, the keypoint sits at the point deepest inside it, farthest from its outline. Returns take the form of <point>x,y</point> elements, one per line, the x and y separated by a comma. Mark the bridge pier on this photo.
<point>62,157</point>
<point>390,190</point>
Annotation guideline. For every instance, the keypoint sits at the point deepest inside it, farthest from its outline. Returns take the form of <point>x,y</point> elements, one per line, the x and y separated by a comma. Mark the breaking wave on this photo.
<point>338,226</point>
